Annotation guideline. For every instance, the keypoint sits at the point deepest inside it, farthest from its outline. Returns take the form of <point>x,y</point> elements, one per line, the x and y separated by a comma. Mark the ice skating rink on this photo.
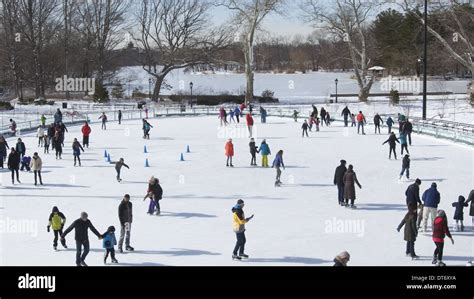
<point>298,224</point>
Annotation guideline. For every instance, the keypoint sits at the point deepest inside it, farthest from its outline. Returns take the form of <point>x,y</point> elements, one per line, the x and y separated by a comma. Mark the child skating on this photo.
<point>229,152</point>
<point>56,221</point>
<point>265,152</point>
<point>108,243</point>
<point>459,213</point>
<point>278,164</point>
<point>305,128</point>
<point>440,231</point>
<point>239,222</point>
<point>405,167</point>
<point>118,168</point>
<point>253,152</point>
<point>411,231</point>
<point>76,149</point>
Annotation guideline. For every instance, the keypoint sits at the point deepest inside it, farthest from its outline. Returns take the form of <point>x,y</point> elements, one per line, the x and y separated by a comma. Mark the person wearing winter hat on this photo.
<point>440,231</point>
<point>56,221</point>
<point>229,152</point>
<point>155,193</point>
<point>459,212</point>
<point>339,182</point>
<point>411,231</point>
<point>342,259</point>
<point>108,243</point>
<point>431,199</point>
<point>239,222</point>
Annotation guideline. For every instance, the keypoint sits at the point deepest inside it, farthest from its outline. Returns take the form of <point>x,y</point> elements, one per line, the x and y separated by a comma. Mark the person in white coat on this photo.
<point>36,164</point>
<point>40,135</point>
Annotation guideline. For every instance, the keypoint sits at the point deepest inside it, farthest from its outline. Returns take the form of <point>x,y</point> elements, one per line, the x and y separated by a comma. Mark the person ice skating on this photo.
<point>328,119</point>
<point>47,142</point>
<point>315,111</point>
<point>392,142</point>
<point>103,117</point>
<point>146,129</point>
<point>13,127</point>
<point>250,122</point>
<point>125,213</point>
<point>278,164</point>
<point>440,231</point>
<point>108,243</point>
<point>346,113</point>
<point>295,116</point>
<point>350,179</point>
<point>120,117</point>
<point>57,145</point>
<point>222,113</point>
<point>322,113</point>
<point>263,115</point>
<point>389,123</point>
<point>229,152</point>
<point>339,181</point>
<point>413,193</point>
<point>118,168</point>
<point>13,164</point>
<point>407,129</point>
<point>459,212</point>
<point>405,167</point>
<point>81,227</point>
<point>43,120</point>
<point>305,128</point>
<point>58,116</point>
<point>239,229</point>
<point>237,113</point>
<point>25,164</point>
<point>155,193</point>
<point>253,152</point>
<point>146,112</point>
<point>342,258</point>
<point>361,121</point>
<point>377,122</point>
<point>56,221</point>
<point>3,150</point>
<point>317,122</point>
<point>20,147</point>
<point>40,135</point>
<point>76,150</point>
<point>403,142</point>
<point>265,152</point>
<point>36,165</point>
<point>86,132</point>
<point>231,116</point>
<point>431,199</point>
<point>410,232</point>
<point>470,200</point>
<point>353,120</point>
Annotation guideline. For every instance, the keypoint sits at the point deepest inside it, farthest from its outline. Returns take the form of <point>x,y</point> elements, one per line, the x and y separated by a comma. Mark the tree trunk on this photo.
<point>249,74</point>
<point>157,88</point>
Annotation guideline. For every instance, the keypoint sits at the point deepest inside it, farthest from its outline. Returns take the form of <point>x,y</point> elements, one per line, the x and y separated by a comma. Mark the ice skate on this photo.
<point>129,248</point>
<point>236,257</point>
<point>441,264</point>
<point>243,256</point>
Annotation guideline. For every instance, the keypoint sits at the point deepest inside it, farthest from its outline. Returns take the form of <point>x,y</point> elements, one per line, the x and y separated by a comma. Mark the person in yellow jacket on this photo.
<point>239,229</point>
<point>56,221</point>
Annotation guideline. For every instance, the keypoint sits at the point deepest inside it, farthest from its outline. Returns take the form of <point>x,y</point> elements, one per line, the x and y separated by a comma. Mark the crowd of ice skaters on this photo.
<point>345,178</point>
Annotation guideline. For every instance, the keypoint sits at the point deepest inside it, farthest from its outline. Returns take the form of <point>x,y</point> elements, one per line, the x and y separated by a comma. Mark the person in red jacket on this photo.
<point>361,122</point>
<point>249,119</point>
<point>229,152</point>
<point>440,231</point>
<point>86,131</point>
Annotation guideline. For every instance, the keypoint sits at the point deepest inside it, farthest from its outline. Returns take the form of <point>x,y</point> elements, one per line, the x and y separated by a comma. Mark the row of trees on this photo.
<point>41,40</point>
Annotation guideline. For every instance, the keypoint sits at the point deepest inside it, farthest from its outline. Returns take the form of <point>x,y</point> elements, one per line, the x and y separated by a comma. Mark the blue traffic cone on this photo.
<point>146,163</point>
<point>182,157</point>
<point>105,154</point>
<point>108,158</point>
<point>188,150</point>
<point>145,150</point>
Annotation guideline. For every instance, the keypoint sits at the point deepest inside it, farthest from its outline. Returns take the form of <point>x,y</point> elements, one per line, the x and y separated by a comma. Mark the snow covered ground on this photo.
<point>297,224</point>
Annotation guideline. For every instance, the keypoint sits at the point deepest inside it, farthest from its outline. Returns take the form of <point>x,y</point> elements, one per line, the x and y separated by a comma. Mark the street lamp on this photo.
<point>336,81</point>
<point>150,81</point>
<point>191,87</point>
<point>425,58</point>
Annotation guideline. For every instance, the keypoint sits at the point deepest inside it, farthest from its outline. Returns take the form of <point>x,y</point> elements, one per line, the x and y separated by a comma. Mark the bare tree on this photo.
<point>101,22</point>
<point>249,15</point>
<point>458,17</point>
<point>348,20</point>
<point>173,34</point>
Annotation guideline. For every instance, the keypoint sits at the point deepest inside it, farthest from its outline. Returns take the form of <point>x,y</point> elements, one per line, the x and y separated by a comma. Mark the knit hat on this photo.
<point>441,213</point>
<point>240,201</point>
<point>418,181</point>
<point>434,185</point>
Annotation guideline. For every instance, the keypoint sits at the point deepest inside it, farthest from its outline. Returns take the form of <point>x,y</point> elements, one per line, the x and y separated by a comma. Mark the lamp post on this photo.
<point>150,81</point>
<point>191,87</point>
<point>336,81</point>
<point>425,59</point>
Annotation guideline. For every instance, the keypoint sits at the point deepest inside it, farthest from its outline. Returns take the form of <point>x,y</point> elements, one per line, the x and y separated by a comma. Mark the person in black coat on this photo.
<point>459,212</point>
<point>339,182</point>
<point>13,164</point>
<point>253,152</point>
<point>125,213</point>
<point>81,227</point>
<point>405,166</point>
<point>411,231</point>
<point>323,116</point>
<point>342,259</point>
<point>470,199</point>
<point>377,122</point>
<point>346,113</point>
<point>407,130</point>
<point>392,143</point>
<point>3,150</point>
<point>413,193</point>
<point>305,128</point>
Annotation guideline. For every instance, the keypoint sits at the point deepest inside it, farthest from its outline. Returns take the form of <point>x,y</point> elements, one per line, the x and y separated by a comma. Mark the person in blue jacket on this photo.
<point>389,123</point>
<point>108,243</point>
<point>278,163</point>
<point>265,152</point>
<point>76,150</point>
<point>431,199</point>
<point>404,142</point>
<point>237,113</point>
